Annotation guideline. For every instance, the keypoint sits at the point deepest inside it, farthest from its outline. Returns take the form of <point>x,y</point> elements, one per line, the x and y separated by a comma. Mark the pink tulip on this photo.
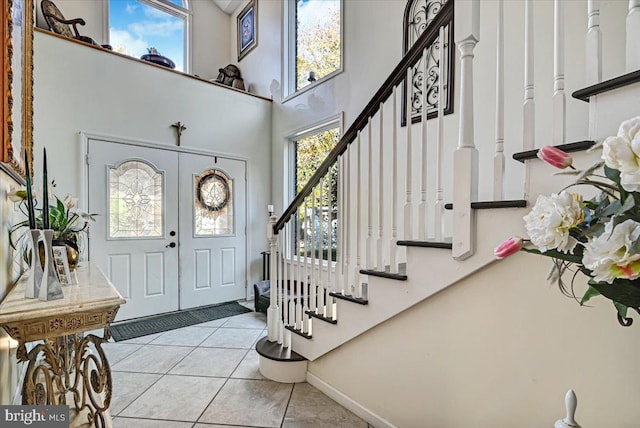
<point>555,157</point>
<point>508,247</point>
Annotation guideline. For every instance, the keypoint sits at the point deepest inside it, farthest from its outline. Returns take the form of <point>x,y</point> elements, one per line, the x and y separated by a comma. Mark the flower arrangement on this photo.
<point>600,237</point>
<point>66,221</point>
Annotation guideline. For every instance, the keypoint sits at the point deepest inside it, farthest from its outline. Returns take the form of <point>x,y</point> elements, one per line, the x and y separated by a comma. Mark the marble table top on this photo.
<point>93,292</point>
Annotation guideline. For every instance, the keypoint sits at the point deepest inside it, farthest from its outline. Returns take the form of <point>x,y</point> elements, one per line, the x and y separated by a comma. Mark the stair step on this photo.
<point>570,147</point>
<point>608,85</point>
<point>384,274</point>
<point>427,244</point>
<point>484,205</point>
<point>277,352</point>
<point>357,300</point>
<point>321,317</point>
<point>298,332</point>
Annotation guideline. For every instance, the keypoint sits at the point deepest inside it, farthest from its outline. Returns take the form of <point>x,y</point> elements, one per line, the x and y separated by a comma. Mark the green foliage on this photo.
<point>318,43</point>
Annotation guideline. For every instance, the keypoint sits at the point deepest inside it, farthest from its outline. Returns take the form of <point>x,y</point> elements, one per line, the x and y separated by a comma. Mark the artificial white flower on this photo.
<point>622,152</point>
<point>550,220</point>
<point>608,256</point>
<point>70,202</point>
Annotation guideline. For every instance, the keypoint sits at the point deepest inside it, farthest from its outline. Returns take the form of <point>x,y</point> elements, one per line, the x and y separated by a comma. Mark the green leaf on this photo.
<point>622,309</point>
<point>629,203</point>
<point>591,292</point>
<point>623,291</point>
<point>613,208</point>
<point>612,174</point>
<point>572,258</point>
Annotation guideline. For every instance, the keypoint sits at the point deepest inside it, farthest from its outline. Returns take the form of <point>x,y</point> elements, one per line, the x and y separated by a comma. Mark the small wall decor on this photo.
<point>247,29</point>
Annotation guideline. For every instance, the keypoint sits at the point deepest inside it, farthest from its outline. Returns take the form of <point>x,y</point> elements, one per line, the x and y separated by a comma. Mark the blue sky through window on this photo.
<point>135,26</point>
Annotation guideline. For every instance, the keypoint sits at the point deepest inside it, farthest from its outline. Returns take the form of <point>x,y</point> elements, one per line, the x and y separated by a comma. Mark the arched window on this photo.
<point>417,16</point>
<point>137,25</point>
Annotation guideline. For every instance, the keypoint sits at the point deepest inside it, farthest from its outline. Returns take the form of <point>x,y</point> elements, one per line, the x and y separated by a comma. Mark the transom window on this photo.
<point>314,33</point>
<point>138,25</point>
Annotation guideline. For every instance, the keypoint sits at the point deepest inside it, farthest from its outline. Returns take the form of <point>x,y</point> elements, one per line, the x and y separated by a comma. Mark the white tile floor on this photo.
<point>207,376</point>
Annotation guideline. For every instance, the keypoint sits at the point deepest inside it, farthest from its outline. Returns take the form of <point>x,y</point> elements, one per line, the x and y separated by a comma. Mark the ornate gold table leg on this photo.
<point>68,364</point>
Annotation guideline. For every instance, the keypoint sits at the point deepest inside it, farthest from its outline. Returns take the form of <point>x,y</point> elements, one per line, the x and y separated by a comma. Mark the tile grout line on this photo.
<point>288,403</point>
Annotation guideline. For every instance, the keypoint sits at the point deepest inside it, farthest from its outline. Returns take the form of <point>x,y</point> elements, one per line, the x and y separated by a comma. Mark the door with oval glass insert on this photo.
<point>135,192</point>
<point>213,235</point>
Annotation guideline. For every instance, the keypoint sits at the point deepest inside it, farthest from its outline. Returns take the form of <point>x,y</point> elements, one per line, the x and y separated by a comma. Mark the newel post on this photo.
<point>465,158</point>
<point>273,310</point>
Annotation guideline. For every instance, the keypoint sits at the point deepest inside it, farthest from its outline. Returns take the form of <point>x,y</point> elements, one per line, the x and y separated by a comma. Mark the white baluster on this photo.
<point>321,281</point>
<point>570,402</point>
<point>272,311</point>
<point>423,208</point>
<point>356,270</point>
<point>348,228</point>
<point>340,235</point>
<point>281,287</point>
<point>369,245</point>
<point>286,281</point>
<point>305,272</point>
<point>439,204</point>
<point>528,139</point>
<point>593,57</point>
<point>559,98</point>
<point>381,200</point>
<point>498,159</point>
<point>300,281</point>
<point>465,158</point>
<point>408,205</point>
<point>330,281</point>
<point>395,203</point>
<point>313,301</point>
<point>633,36</point>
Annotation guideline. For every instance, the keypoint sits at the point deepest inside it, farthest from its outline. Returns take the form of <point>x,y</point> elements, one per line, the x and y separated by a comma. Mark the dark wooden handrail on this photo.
<point>397,75</point>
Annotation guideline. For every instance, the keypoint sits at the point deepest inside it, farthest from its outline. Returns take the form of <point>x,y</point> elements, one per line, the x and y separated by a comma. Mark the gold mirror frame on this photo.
<point>17,86</point>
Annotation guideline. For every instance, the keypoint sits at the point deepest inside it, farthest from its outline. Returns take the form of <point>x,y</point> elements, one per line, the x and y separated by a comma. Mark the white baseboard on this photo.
<point>348,402</point>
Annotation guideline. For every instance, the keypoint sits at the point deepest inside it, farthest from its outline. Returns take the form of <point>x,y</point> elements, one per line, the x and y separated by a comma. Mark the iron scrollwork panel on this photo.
<point>418,16</point>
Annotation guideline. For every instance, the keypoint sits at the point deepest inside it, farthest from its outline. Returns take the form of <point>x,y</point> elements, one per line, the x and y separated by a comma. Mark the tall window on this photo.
<point>417,17</point>
<point>318,221</point>
<point>137,25</point>
<point>314,29</point>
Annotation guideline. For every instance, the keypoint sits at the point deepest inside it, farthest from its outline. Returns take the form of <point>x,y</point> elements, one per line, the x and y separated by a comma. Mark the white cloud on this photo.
<point>164,28</point>
<point>135,46</point>
<point>130,8</point>
<point>152,12</point>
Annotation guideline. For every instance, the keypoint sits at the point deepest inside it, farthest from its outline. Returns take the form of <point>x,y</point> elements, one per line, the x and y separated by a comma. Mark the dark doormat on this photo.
<point>171,321</point>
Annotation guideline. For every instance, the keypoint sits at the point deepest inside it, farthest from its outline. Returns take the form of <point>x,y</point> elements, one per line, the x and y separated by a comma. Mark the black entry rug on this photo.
<point>171,321</point>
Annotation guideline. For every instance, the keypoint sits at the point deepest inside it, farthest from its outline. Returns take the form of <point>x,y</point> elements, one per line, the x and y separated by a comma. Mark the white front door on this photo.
<point>212,230</point>
<point>135,192</point>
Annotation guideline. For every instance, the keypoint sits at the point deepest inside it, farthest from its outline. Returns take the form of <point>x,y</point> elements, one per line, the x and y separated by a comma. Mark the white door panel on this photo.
<point>213,236</point>
<point>135,192</point>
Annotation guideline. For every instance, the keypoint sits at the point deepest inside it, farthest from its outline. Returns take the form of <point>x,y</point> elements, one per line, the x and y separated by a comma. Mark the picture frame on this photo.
<point>65,276</point>
<point>247,28</point>
<point>17,86</point>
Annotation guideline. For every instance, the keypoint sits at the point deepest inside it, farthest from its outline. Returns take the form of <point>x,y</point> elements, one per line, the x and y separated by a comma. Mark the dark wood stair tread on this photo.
<point>358,300</point>
<point>608,85</point>
<point>298,332</point>
<point>321,317</point>
<point>277,352</point>
<point>578,146</point>
<point>427,244</point>
<point>485,205</point>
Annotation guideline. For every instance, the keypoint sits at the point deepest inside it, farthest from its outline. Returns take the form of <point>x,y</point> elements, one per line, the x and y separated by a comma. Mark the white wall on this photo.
<point>78,88</point>
<point>209,30</point>
<point>498,349</point>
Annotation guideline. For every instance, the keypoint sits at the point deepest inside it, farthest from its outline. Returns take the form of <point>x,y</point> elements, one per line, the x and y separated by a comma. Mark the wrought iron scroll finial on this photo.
<point>179,126</point>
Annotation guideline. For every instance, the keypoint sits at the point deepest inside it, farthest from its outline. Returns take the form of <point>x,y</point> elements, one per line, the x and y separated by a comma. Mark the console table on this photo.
<point>65,365</point>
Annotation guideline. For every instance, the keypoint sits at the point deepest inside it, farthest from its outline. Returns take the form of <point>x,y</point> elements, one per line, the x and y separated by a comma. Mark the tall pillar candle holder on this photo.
<point>50,288</point>
<point>35,273</point>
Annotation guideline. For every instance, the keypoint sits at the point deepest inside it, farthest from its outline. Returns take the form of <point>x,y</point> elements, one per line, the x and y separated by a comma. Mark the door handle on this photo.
<point>170,245</point>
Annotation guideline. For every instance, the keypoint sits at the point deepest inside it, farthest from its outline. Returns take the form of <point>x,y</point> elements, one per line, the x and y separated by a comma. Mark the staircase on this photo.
<point>397,240</point>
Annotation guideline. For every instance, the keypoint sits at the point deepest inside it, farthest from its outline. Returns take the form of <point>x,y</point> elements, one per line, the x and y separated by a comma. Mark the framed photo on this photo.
<point>65,276</point>
<point>247,29</point>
